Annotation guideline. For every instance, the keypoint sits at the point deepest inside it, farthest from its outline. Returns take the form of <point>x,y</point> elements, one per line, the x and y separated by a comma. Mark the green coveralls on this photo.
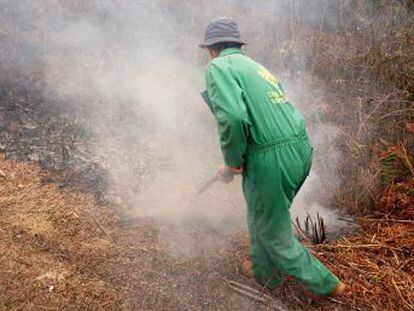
<point>263,133</point>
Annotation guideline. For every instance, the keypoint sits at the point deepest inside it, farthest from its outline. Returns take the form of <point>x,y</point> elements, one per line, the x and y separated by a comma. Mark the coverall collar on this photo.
<point>230,51</point>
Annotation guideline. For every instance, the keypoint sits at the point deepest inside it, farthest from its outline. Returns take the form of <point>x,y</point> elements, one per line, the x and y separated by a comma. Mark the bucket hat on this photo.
<point>222,29</point>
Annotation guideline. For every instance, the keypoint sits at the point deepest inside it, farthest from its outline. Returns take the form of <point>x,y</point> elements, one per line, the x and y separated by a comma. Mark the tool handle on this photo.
<point>207,184</point>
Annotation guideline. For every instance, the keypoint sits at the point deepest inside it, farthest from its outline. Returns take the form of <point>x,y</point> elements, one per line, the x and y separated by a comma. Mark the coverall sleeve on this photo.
<point>230,111</point>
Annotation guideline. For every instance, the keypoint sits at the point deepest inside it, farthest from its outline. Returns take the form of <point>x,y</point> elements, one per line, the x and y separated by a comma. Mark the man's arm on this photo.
<point>230,112</point>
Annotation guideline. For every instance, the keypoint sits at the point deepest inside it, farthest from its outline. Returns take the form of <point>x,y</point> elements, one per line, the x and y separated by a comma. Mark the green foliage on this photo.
<point>388,169</point>
<point>392,168</point>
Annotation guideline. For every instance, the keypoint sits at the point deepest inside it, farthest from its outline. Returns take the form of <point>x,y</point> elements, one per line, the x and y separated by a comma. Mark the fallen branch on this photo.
<point>248,288</point>
<point>247,293</point>
<point>355,246</point>
<point>255,294</point>
<point>102,228</point>
<point>387,220</point>
<point>243,286</point>
<point>343,303</point>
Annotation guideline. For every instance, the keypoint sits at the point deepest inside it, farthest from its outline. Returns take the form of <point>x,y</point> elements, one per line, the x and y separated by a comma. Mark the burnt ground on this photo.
<point>62,250</point>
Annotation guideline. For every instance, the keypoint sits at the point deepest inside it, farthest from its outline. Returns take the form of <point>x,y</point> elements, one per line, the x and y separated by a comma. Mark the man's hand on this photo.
<point>226,174</point>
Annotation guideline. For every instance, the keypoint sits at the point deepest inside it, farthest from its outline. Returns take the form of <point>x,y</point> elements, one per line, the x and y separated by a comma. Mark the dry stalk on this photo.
<point>248,294</point>
<point>256,294</point>
<point>387,220</point>
<point>102,228</point>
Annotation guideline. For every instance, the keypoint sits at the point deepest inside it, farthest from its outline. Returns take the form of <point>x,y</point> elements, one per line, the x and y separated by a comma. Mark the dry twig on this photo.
<point>102,228</point>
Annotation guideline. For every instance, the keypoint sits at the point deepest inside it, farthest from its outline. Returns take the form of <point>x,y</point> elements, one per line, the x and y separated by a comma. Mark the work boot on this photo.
<point>247,268</point>
<point>340,290</point>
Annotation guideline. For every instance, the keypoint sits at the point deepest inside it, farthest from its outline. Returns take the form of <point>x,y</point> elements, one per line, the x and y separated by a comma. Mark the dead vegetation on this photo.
<point>368,72</point>
<point>378,264</point>
<point>60,248</point>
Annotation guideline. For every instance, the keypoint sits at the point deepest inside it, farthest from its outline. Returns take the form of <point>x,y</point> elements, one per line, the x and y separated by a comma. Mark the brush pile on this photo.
<point>377,264</point>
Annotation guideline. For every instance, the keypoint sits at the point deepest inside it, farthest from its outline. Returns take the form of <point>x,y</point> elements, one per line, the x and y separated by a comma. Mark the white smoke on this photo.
<point>134,70</point>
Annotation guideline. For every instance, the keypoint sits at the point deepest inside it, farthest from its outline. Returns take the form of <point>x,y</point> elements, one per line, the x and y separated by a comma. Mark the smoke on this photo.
<point>134,71</point>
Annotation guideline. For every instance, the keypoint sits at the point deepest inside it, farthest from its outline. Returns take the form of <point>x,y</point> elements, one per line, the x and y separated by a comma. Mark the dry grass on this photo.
<point>377,264</point>
<point>54,255</point>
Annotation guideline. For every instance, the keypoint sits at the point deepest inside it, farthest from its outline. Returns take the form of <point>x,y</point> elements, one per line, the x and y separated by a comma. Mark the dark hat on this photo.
<point>222,29</point>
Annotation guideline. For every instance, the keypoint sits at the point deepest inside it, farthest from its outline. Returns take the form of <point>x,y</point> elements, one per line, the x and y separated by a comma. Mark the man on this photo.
<point>262,137</point>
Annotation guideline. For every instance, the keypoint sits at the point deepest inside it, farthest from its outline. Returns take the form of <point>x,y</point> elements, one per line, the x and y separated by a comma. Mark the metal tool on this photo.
<point>228,173</point>
<point>207,184</point>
